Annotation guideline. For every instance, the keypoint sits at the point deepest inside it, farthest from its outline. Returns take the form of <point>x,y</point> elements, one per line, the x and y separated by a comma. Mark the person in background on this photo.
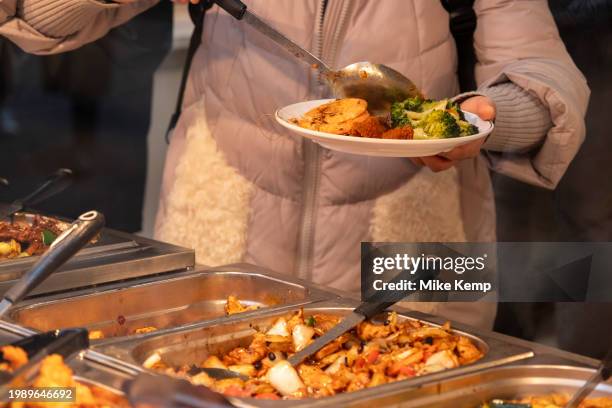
<point>580,209</point>
<point>238,187</point>
<point>87,110</point>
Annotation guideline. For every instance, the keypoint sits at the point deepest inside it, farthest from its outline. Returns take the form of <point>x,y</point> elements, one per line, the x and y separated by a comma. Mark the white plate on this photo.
<point>376,147</point>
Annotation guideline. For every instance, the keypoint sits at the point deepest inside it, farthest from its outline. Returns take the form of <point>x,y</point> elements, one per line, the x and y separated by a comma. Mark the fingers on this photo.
<point>465,151</point>
<point>437,163</point>
<point>417,161</point>
<point>482,106</point>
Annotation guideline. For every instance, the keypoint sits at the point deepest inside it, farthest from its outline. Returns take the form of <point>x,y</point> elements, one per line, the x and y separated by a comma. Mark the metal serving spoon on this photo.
<point>376,83</point>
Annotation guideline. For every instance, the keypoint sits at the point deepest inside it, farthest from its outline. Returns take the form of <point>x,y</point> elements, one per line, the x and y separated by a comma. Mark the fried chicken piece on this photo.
<point>369,127</point>
<point>368,330</point>
<point>317,381</point>
<point>402,133</point>
<point>468,352</point>
<point>255,352</point>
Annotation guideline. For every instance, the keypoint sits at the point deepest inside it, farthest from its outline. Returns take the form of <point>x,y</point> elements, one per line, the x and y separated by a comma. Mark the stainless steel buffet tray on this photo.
<point>89,367</point>
<point>166,302</point>
<point>194,344</point>
<point>116,256</point>
<point>510,382</point>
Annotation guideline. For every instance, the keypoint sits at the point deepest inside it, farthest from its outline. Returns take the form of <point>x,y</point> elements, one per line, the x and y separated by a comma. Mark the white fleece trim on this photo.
<point>427,208</point>
<point>208,206</point>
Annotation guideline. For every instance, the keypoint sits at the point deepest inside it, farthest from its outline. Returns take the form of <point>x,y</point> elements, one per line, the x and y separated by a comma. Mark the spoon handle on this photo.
<point>54,184</point>
<point>238,10</point>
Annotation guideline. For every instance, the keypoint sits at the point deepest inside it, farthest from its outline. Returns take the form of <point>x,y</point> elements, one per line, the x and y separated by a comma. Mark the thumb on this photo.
<point>482,106</point>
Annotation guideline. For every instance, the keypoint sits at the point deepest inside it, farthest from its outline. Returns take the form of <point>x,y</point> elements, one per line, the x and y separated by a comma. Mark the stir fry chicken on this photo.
<point>549,401</point>
<point>19,239</point>
<point>53,373</point>
<point>374,353</point>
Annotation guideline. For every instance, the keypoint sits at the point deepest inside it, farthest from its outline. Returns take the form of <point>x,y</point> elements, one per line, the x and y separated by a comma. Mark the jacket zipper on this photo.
<point>312,160</point>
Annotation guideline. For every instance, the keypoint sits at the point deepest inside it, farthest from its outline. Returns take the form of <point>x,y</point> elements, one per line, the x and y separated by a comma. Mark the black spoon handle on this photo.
<point>54,184</point>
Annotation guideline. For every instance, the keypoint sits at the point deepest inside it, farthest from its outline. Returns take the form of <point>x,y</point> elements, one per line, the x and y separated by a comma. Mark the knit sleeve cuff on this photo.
<point>61,18</point>
<point>521,120</point>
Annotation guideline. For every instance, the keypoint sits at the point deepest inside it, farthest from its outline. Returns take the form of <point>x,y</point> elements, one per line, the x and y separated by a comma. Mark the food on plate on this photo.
<point>548,401</point>
<point>373,353</point>
<point>53,373</point>
<point>414,118</point>
<point>431,119</point>
<point>233,306</point>
<point>349,116</point>
<point>20,238</point>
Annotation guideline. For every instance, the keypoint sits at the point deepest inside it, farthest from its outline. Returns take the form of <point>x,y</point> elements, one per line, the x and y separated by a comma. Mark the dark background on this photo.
<point>580,209</point>
<point>88,110</point>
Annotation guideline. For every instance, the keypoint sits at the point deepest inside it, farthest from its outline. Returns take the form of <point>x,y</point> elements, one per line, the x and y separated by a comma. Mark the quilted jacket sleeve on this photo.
<point>54,26</point>
<point>518,41</point>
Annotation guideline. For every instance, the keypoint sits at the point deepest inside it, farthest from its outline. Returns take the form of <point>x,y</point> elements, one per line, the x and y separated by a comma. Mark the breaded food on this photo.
<point>338,111</point>
<point>369,127</point>
<point>336,117</point>
<point>403,133</point>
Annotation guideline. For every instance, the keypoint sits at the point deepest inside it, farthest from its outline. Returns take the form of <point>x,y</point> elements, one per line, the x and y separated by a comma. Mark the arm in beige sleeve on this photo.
<point>54,26</point>
<point>524,67</point>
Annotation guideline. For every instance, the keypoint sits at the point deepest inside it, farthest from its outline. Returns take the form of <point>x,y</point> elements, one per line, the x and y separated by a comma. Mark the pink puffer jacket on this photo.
<point>238,187</point>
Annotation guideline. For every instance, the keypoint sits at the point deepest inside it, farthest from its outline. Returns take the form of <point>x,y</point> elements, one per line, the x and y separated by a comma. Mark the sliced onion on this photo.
<point>302,335</point>
<point>279,328</point>
<point>336,365</point>
<point>443,358</point>
<point>285,379</point>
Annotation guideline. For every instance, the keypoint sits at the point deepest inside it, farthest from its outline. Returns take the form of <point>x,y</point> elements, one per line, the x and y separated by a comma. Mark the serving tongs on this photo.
<point>602,374</point>
<point>366,310</point>
<point>378,84</point>
<point>37,347</point>
<point>152,390</point>
<point>68,243</point>
<point>54,184</point>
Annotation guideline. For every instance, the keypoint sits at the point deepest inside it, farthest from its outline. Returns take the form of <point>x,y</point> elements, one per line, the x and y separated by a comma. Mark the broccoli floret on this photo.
<point>398,115</point>
<point>453,107</point>
<point>466,128</point>
<point>439,124</point>
<point>414,104</point>
<point>431,105</point>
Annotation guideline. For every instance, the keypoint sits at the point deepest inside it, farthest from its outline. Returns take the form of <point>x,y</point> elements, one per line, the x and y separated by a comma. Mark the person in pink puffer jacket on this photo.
<point>238,187</point>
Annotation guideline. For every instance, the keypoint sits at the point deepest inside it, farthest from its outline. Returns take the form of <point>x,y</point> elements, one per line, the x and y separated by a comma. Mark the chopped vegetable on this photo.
<point>285,379</point>
<point>431,119</point>
<point>439,124</point>
<point>311,321</point>
<point>48,237</point>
